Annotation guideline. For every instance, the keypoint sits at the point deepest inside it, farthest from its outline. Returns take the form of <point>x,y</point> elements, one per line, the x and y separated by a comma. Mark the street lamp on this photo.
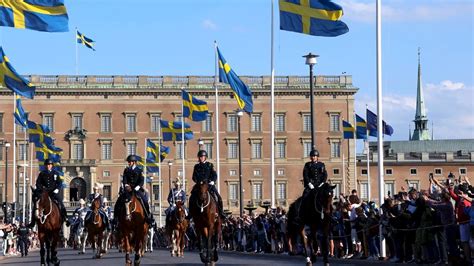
<point>170,163</point>
<point>240,113</point>
<point>311,61</point>
<point>7,145</point>
<point>200,143</point>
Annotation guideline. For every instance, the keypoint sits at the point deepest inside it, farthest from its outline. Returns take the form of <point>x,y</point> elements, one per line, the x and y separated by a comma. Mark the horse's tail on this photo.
<point>294,209</point>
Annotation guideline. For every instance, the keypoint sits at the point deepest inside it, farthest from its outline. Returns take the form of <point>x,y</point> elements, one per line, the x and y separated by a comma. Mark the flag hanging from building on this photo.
<point>242,92</point>
<point>361,127</point>
<point>193,108</point>
<point>313,17</point>
<point>40,15</point>
<point>21,117</point>
<point>372,125</point>
<point>11,79</point>
<point>82,39</point>
<point>172,131</point>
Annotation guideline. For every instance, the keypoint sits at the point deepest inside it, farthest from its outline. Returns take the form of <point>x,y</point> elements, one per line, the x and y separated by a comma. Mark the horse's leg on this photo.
<point>42,248</point>
<point>84,241</point>
<point>306,246</point>
<point>325,244</point>
<point>126,248</point>
<point>54,245</point>
<point>48,249</point>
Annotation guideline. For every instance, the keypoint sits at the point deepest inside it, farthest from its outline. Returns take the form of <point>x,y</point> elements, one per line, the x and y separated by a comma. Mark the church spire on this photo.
<point>421,120</point>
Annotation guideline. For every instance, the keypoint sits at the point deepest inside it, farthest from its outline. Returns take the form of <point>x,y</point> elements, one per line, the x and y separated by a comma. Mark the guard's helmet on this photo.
<point>314,153</point>
<point>202,153</point>
<point>132,158</point>
<point>48,161</point>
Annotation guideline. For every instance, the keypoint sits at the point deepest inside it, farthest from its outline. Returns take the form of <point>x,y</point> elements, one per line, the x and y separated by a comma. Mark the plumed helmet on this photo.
<point>177,182</point>
<point>82,201</point>
<point>314,153</point>
<point>48,161</point>
<point>132,158</point>
<point>202,153</point>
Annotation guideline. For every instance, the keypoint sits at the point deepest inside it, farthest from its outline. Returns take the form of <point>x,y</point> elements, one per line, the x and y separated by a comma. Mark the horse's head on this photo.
<point>203,190</point>
<point>325,196</point>
<point>180,212</point>
<point>95,204</point>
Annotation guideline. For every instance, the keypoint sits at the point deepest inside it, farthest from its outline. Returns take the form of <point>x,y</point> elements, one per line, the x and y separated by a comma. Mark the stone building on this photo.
<point>99,120</point>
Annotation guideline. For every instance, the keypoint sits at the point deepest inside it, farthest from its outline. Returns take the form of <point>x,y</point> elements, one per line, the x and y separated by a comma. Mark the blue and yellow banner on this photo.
<point>39,134</point>
<point>348,130</point>
<point>11,79</point>
<point>313,17</point>
<point>171,131</point>
<point>82,39</point>
<point>21,117</point>
<point>152,153</point>
<point>193,108</point>
<point>361,127</point>
<point>43,152</point>
<point>40,15</point>
<point>242,93</point>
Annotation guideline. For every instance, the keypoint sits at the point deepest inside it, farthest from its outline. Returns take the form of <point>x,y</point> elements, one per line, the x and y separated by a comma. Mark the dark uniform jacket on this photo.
<point>204,172</point>
<point>133,177</point>
<point>314,173</point>
<point>178,195</point>
<point>91,198</point>
<point>48,180</point>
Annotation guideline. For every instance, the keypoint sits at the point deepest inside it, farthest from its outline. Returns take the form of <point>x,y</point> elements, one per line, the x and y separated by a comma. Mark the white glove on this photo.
<point>137,188</point>
<point>174,204</point>
<point>211,183</point>
<point>310,186</point>
<point>56,191</point>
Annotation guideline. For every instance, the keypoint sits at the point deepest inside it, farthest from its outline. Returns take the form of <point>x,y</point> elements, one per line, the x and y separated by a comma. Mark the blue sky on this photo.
<point>155,37</point>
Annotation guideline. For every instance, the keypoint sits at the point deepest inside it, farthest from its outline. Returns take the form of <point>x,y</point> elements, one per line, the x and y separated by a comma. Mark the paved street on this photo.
<point>162,257</point>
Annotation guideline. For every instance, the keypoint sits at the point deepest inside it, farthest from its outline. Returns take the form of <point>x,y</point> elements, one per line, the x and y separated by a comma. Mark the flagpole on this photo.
<point>217,119</point>
<point>343,175</point>
<point>355,150</point>
<point>272,93</point>
<point>159,172</point>
<point>14,157</point>
<point>30,209</point>
<point>144,163</point>
<point>182,144</point>
<point>24,179</point>
<point>366,147</point>
<point>77,54</point>
<point>380,116</point>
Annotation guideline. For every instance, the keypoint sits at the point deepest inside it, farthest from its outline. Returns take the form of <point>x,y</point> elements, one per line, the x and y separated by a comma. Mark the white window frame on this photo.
<point>306,125</point>
<point>389,183</point>
<point>105,126</point>
<point>257,195</point>
<point>280,122</point>
<point>338,171</point>
<point>129,126</point>
<point>207,124</point>
<point>334,122</point>
<point>461,169</point>
<point>280,149</point>
<point>280,172</point>
<point>256,122</point>
<point>106,154</point>
<point>306,148</point>
<point>232,172</point>
<point>440,171</point>
<point>232,121</point>
<point>77,120</point>
<point>257,172</point>
<point>256,149</point>
<point>416,171</point>
<point>364,190</point>
<point>362,171</point>
<point>387,171</point>
<point>232,149</point>
<point>48,120</point>
<point>131,147</point>
<point>155,122</point>
<point>335,149</point>
<point>106,173</point>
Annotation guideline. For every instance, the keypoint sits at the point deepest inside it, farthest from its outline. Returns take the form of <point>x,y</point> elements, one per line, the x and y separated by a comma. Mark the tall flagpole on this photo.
<point>30,209</point>
<point>159,174</point>
<point>14,157</point>
<point>144,162</point>
<point>77,54</point>
<point>24,179</point>
<point>379,115</point>
<point>272,92</point>
<point>217,119</point>
<point>355,150</point>
<point>182,144</point>
<point>366,147</point>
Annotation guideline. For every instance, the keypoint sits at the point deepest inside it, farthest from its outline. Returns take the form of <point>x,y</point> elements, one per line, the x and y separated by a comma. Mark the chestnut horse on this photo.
<point>95,230</point>
<point>203,209</point>
<point>49,223</point>
<point>176,227</point>
<point>133,229</point>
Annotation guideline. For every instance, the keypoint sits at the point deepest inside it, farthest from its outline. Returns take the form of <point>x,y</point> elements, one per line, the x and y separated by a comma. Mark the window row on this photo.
<point>256,192</point>
<point>414,171</point>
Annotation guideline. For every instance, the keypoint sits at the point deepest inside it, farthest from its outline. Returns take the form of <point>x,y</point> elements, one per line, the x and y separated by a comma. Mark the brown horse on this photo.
<point>49,225</point>
<point>203,209</point>
<point>176,227</point>
<point>96,229</point>
<point>133,228</point>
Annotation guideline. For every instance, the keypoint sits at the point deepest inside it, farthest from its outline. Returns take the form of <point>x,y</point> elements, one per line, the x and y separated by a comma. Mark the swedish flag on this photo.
<point>314,17</point>
<point>152,164</point>
<point>43,152</point>
<point>12,80</point>
<point>194,108</point>
<point>172,131</point>
<point>39,134</point>
<point>348,130</point>
<point>82,39</point>
<point>20,116</point>
<point>40,15</point>
<point>361,128</point>
<point>164,152</point>
<point>242,93</point>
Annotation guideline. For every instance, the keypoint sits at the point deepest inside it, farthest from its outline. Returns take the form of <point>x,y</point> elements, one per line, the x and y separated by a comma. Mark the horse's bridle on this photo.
<point>43,217</point>
<point>207,204</point>
<point>321,212</point>
<point>180,220</point>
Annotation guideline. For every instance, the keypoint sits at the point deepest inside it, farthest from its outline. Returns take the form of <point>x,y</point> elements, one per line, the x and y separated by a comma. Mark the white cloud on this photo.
<point>445,85</point>
<point>406,10</point>
<point>209,24</point>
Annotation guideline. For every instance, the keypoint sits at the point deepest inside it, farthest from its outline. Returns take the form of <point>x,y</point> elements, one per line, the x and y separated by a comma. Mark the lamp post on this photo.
<point>7,145</point>
<point>170,163</point>
<point>311,61</point>
<point>200,143</point>
<point>240,113</point>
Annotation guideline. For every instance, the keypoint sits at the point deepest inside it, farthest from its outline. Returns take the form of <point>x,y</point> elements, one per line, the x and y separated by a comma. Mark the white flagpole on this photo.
<point>24,179</point>
<point>355,151</point>
<point>182,145</point>
<point>217,120</point>
<point>343,175</point>
<point>366,147</point>
<point>77,54</point>
<point>14,156</point>
<point>144,163</point>
<point>30,209</point>
<point>380,115</point>
<point>272,92</point>
<point>159,174</point>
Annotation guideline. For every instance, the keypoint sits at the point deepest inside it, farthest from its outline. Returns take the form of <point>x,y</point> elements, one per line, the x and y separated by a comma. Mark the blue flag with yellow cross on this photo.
<point>193,108</point>
<point>12,80</point>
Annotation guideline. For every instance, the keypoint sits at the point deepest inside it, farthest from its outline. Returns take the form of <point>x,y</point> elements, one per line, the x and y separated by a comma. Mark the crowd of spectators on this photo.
<point>16,239</point>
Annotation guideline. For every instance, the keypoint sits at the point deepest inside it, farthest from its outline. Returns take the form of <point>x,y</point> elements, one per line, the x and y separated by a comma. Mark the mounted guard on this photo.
<point>204,172</point>
<point>49,180</point>
<point>176,194</point>
<point>314,176</point>
<point>90,199</point>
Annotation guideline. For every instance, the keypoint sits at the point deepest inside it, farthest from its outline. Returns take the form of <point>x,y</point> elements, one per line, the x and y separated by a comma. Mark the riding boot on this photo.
<point>149,218</point>
<point>64,215</point>
<point>220,206</point>
<point>33,217</point>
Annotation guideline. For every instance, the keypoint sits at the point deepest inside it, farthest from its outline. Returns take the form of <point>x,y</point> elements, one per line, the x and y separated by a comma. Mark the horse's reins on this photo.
<point>207,204</point>
<point>315,205</point>
<point>43,217</point>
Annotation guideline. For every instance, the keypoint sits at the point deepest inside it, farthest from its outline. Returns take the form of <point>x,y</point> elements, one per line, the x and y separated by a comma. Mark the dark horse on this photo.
<point>203,210</point>
<point>96,229</point>
<point>176,227</point>
<point>133,229</point>
<point>317,215</point>
<point>49,223</point>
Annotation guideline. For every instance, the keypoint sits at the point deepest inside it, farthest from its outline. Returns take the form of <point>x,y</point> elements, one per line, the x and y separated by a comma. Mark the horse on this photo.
<point>95,229</point>
<point>133,229</point>
<point>204,211</point>
<point>79,235</point>
<point>176,228</point>
<point>49,226</point>
<point>149,238</point>
<point>318,212</point>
